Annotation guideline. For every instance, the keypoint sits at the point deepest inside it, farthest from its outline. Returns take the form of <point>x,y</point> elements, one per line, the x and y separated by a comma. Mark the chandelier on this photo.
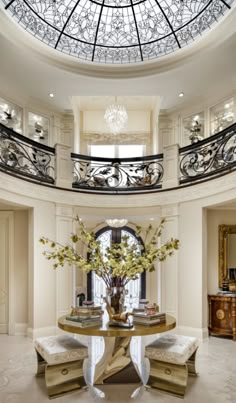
<point>116,117</point>
<point>116,222</point>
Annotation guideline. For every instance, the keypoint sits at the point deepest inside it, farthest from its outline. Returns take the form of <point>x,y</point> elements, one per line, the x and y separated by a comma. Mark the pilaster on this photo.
<point>168,271</point>
<point>64,275</point>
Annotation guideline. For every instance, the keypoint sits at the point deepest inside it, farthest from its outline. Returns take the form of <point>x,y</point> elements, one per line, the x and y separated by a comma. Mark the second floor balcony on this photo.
<point>176,167</point>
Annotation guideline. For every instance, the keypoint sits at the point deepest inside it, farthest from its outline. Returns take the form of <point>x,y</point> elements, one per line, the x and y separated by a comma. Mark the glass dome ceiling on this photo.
<point>117,31</point>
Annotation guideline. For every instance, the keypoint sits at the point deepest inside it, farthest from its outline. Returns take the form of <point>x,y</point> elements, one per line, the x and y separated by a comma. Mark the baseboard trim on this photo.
<point>199,333</point>
<point>41,332</point>
<point>20,329</point>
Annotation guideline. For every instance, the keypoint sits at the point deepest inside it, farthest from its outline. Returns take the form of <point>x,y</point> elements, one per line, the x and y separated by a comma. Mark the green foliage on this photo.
<point>120,263</point>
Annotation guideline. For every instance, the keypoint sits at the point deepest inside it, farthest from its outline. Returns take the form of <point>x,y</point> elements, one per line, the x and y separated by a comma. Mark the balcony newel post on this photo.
<point>64,166</point>
<point>171,166</point>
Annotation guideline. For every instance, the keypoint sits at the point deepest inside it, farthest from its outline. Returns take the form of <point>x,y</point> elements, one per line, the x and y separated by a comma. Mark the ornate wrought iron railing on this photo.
<point>117,175</point>
<point>208,158</point>
<point>26,158</point>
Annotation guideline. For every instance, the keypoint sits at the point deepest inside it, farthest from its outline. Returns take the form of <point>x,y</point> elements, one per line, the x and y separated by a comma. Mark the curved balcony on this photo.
<point>209,158</point>
<point>29,160</point>
<point>118,175</point>
<point>20,156</point>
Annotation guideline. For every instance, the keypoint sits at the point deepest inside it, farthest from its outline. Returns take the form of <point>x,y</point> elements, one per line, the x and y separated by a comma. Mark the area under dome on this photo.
<point>117,31</point>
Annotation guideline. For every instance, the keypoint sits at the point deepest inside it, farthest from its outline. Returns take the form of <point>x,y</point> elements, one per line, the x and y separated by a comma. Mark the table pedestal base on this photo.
<point>116,365</point>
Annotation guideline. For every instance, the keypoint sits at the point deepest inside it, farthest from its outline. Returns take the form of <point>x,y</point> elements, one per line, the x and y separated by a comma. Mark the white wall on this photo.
<point>138,121</point>
<point>184,280</point>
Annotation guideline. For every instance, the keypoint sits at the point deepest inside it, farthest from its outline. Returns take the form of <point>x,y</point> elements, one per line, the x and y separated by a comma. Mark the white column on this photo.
<point>67,130</point>
<point>154,125</point>
<point>56,130</point>
<point>168,133</point>
<point>168,270</point>
<point>64,275</point>
<point>77,123</point>
<point>41,276</point>
<point>192,276</point>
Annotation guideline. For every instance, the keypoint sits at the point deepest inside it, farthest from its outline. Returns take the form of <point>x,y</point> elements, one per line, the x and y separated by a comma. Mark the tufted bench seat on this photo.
<point>61,358</point>
<point>172,358</point>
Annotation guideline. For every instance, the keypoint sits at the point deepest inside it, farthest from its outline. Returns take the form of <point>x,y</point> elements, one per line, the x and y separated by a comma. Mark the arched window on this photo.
<point>96,288</point>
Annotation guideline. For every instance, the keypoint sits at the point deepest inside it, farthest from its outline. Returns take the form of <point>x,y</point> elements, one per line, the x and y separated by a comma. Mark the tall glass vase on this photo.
<point>116,298</point>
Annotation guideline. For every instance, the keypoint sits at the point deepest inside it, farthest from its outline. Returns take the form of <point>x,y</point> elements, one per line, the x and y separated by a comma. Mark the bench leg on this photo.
<point>168,377</point>
<point>63,378</point>
<point>191,364</point>
<point>41,364</point>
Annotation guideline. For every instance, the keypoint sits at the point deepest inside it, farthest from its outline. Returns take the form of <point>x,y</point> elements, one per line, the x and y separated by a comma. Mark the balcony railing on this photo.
<point>30,160</point>
<point>117,175</point>
<point>208,158</point>
<point>26,158</point>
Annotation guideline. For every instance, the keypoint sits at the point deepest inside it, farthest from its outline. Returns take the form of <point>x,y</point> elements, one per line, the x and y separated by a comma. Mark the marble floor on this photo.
<point>216,382</point>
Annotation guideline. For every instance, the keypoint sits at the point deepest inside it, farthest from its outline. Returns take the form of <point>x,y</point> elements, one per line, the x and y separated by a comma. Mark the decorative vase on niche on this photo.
<point>116,298</point>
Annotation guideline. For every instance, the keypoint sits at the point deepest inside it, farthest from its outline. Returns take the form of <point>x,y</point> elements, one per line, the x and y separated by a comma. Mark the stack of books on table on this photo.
<point>141,318</point>
<point>85,316</point>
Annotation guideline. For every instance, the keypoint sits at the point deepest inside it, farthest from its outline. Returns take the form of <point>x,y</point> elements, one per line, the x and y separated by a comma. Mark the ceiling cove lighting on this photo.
<point>117,31</point>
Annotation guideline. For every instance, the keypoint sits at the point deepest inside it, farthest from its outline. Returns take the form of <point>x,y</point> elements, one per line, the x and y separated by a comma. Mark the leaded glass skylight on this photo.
<point>117,31</point>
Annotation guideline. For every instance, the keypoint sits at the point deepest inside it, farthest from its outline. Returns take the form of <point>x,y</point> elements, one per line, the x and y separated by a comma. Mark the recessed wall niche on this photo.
<point>193,128</point>
<point>222,116</point>
<point>11,115</point>
<point>38,128</point>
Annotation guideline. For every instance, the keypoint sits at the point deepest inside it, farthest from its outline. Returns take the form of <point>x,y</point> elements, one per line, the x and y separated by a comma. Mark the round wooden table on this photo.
<point>116,365</point>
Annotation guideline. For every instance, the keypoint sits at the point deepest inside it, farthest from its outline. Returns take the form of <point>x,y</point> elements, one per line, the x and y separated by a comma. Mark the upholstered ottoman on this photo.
<point>172,358</point>
<point>61,358</point>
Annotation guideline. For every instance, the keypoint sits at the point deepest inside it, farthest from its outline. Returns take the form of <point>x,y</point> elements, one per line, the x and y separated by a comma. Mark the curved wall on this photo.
<point>180,284</point>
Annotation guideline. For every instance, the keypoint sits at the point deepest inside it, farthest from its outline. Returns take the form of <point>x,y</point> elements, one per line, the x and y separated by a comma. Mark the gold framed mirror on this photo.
<point>227,251</point>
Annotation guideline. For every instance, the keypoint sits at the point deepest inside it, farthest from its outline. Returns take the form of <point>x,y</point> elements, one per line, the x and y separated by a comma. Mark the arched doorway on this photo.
<point>96,288</point>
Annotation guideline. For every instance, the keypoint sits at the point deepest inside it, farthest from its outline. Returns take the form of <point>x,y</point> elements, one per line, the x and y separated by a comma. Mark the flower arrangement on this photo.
<point>120,262</point>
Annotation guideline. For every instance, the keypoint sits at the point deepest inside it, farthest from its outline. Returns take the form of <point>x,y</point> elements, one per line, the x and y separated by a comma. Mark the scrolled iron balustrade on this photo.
<point>117,175</point>
<point>23,157</point>
<point>210,157</point>
<point>30,160</point>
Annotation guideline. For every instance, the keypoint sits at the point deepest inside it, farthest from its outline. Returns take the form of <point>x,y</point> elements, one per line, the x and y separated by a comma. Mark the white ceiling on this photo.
<point>86,103</point>
<point>206,71</point>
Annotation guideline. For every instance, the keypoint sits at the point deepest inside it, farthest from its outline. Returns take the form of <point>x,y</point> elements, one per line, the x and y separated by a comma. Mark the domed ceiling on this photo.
<point>117,31</point>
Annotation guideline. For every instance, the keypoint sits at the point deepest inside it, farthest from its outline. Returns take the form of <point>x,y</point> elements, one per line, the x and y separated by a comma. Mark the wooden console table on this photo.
<point>222,315</point>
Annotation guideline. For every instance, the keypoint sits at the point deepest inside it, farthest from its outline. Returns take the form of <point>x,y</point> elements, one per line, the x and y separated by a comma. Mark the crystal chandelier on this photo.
<point>116,117</point>
<point>116,222</point>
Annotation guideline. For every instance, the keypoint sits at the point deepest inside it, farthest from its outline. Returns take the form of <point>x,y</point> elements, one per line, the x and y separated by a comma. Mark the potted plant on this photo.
<point>119,263</point>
